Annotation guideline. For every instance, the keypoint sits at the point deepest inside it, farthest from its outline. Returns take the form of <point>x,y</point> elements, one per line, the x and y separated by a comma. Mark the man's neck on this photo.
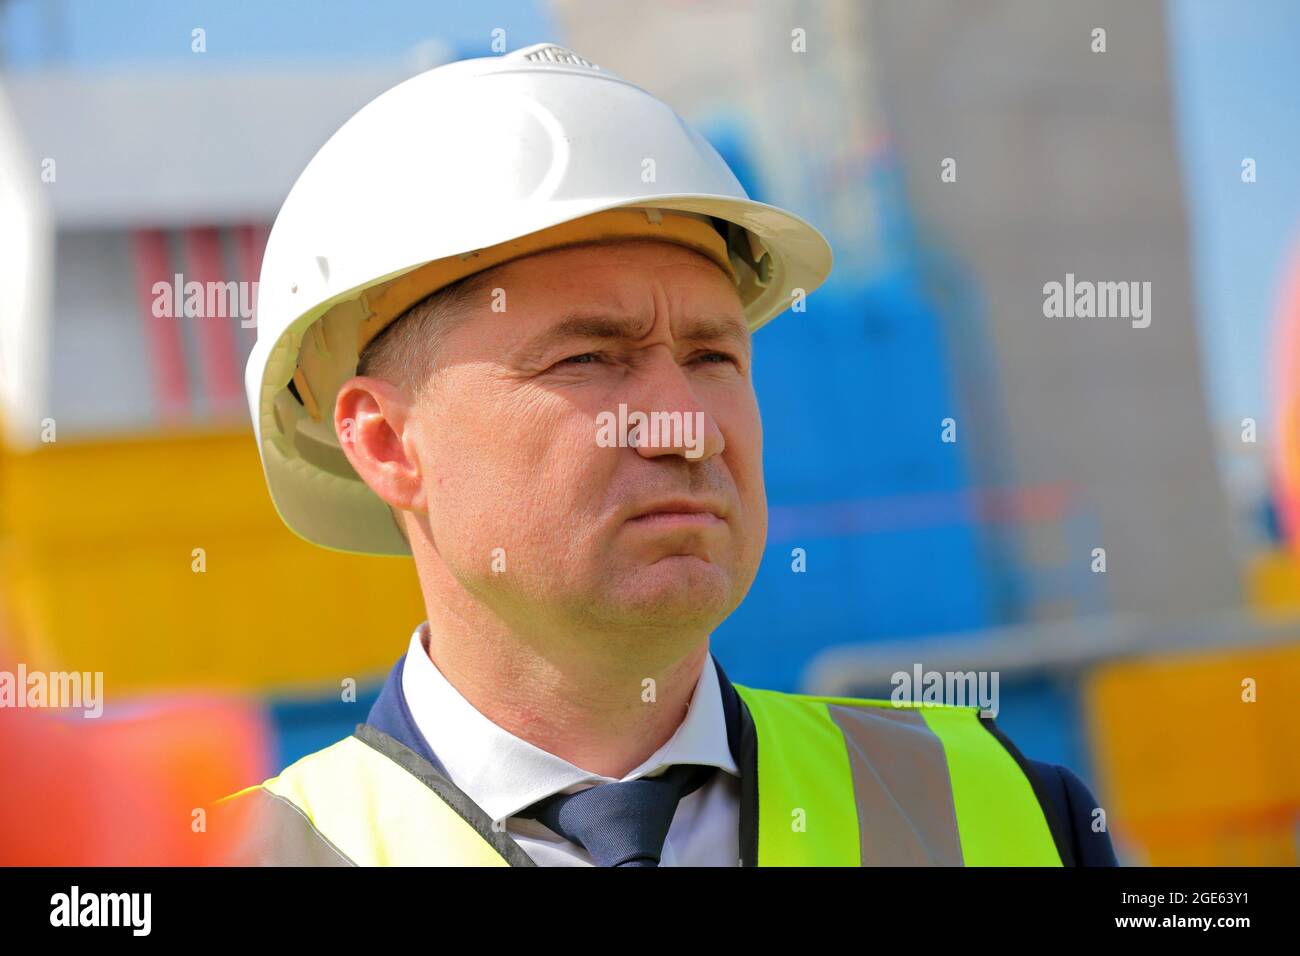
<point>602,712</point>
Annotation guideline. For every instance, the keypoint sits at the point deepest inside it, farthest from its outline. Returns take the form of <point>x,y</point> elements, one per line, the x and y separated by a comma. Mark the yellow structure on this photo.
<point>1273,584</point>
<point>1199,756</point>
<point>160,561</point>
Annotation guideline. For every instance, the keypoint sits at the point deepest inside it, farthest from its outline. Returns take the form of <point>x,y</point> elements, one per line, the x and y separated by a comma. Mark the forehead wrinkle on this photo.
<point>586,325</point>
<point>603,326</point>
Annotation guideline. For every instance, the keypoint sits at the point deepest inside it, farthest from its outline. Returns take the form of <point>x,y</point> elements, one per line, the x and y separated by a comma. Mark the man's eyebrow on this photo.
<point>711,330</point>
<point>611,328</point>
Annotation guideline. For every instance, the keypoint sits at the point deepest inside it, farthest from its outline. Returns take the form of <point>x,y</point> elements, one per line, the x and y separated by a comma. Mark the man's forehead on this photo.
<point>560,290</point>
<point>613,323</point>
<point>609,326</point>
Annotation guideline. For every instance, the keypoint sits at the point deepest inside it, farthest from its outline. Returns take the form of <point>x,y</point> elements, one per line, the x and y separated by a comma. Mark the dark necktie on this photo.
<point>624,823</point>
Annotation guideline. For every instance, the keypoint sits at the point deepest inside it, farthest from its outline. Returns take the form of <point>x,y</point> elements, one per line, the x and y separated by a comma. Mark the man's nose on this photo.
<point>675,421</point>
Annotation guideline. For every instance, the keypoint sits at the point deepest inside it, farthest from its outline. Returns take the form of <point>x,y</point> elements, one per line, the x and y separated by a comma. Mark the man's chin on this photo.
<point>674,591</point>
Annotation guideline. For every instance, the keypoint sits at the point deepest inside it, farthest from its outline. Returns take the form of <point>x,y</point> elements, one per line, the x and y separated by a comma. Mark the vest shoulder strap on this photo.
<point>367,800</point>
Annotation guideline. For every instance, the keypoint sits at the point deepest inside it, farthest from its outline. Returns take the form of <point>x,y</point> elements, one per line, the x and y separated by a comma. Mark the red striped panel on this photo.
<point>250,247</point>
<point>152,264</point>
<point>216,338</point>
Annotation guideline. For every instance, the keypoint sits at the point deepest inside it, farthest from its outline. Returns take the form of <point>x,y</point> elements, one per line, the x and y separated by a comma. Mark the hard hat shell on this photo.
<point>453,161</point>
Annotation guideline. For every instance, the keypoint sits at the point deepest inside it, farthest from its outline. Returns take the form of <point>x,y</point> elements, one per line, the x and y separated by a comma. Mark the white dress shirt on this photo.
<point>504,774</point>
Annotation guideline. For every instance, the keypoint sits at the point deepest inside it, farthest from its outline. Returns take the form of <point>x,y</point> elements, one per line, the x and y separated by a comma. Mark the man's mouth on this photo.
<point>679,513</point>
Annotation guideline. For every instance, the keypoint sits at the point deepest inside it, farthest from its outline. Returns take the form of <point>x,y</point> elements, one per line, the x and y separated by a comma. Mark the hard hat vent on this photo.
<point>550,53</point>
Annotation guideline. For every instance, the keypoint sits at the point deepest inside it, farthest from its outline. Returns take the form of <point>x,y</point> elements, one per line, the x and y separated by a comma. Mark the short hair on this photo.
<point>405,351</point>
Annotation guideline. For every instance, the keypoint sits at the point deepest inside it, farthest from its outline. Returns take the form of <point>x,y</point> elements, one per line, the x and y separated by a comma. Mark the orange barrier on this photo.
<point>126,790</point>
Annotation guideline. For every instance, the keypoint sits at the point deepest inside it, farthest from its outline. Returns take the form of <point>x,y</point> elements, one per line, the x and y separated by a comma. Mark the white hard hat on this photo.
<point>449,173</point>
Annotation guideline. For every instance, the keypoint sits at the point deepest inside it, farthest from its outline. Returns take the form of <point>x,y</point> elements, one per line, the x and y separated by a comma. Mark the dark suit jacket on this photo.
<point>1074,804</point>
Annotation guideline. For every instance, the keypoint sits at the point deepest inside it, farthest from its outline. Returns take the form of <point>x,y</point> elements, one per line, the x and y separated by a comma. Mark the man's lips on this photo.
<point>678,513</point>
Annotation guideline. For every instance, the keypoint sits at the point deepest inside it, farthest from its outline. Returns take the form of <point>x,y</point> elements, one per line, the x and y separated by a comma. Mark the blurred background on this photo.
<point>128,155</point>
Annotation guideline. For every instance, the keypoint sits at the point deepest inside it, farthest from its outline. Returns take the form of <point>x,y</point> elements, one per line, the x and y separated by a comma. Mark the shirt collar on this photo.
<point>503,773</point>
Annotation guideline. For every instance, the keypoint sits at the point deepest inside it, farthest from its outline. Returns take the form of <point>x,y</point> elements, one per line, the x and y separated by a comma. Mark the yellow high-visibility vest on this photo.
<point>826,781</point>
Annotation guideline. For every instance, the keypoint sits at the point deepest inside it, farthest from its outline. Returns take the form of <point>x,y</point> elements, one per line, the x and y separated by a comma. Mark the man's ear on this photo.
<point>373,420</point>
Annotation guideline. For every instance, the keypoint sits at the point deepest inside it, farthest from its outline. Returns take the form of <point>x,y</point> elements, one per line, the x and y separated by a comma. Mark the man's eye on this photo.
<point>716,358</point>
<point>586,358</point>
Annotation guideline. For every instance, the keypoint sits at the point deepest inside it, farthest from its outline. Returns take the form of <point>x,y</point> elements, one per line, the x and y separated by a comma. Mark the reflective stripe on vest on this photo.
<point>840,782</point>
<point>851,782</point>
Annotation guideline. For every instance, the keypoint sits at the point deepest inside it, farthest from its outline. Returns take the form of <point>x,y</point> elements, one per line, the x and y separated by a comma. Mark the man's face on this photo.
<point>510,452</point>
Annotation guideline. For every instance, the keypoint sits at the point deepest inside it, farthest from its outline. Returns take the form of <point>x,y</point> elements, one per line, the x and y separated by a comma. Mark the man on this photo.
<point>487,338</point>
